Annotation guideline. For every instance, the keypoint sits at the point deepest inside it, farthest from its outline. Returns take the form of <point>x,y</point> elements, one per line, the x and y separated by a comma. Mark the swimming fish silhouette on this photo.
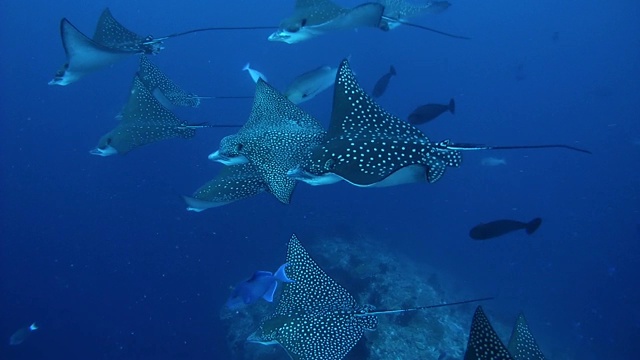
<point>500,227</point>
<point>382,83</point>
<point>428,112</point>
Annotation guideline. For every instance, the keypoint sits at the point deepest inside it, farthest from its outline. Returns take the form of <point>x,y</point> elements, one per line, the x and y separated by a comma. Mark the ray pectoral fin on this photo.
<point>484,343</point>
<point>112,34</point>
<point>365,15</point>
<point>435,171</point>
<point>198,205</point>
<point>283,189</point>
<point>164,89</point>
<point>522,344</point>
<point>231,184</point>
<point>83,55</point>
<point>104,151</point>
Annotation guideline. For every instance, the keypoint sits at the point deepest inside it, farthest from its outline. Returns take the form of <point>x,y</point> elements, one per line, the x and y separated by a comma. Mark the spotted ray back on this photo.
<point>231,184</point>
<point>484,343</point>
<point>522,344</point>
<point>144,121</point>
<point>365,144</point>
<point>315,12</point>
<point>154,79</point>
<point>316,318</point>
<point>109,32</point>
<point>275,139</point>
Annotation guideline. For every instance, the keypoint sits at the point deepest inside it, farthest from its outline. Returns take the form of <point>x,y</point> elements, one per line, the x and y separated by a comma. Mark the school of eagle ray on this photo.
<point>280,145</point>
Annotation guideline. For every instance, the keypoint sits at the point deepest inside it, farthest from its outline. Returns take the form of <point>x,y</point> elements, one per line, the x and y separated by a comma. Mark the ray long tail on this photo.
<point>381,312</point>
<point>214,28</point>
<point>472,147</point>
<point>388,18</point>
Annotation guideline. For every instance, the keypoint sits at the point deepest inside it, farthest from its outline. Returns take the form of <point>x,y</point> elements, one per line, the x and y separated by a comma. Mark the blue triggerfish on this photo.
<point>262,284</point>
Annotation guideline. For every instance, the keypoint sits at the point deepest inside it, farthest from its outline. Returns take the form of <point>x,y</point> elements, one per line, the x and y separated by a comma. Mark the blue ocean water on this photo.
<point>102,254</point>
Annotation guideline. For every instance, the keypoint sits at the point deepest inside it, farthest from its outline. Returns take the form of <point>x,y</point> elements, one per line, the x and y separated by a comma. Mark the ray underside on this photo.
<point>85,55</point>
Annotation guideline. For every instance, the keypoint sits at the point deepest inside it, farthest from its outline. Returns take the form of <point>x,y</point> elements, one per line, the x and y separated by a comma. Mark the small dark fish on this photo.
<point>262,284</point>
<point>501,227</point>
<point>428,112</point>
<point>383,82</point>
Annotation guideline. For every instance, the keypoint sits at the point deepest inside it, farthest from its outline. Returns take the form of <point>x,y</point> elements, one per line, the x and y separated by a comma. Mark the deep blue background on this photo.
<point>101,252</point>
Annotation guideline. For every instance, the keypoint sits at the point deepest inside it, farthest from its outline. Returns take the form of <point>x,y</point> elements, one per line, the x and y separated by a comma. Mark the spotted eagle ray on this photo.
<point>276,138</point>
<point>312,18</point>
<point>396,11</point>
<point>367,146</point>
<point>231,184</point>
<point>165,90</point>
<point>485,344</point>
<point>111,42</point>
<point>143,121</point>
<point>316,318</point>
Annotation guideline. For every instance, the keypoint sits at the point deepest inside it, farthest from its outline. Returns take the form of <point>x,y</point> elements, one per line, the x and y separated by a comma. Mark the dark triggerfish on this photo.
<point>501,227</point>
<point>428,112</point>
<point>383,82</point>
